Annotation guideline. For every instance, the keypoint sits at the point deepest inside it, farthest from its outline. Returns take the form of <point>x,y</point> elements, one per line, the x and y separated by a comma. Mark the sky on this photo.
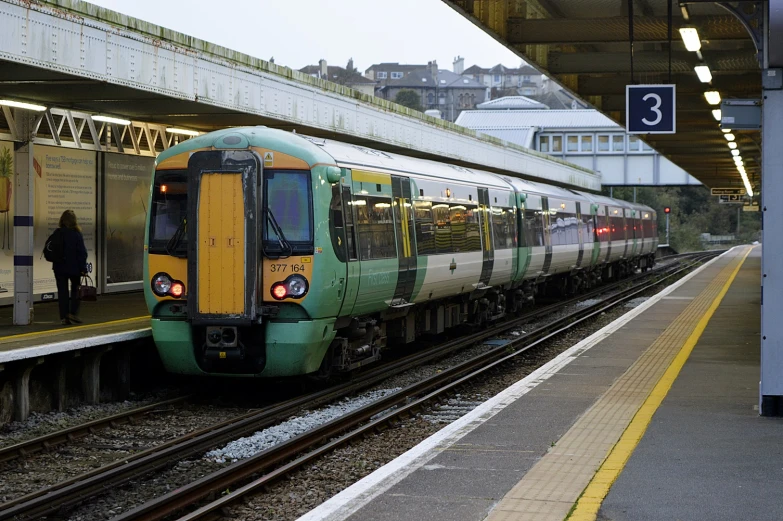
<point>300,32</point>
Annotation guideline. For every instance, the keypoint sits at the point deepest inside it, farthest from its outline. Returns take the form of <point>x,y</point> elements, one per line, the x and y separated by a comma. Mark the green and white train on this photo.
<point>272,254</point>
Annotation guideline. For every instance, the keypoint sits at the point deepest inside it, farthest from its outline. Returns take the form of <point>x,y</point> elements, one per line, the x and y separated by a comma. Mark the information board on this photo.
<point>650,109</point>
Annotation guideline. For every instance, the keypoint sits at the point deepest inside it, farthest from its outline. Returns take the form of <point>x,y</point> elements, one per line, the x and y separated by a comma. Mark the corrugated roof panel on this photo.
<point>520,136</point>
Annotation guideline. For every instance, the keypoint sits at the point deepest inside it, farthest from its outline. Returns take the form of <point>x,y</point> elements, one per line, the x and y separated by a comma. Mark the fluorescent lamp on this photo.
<point>109,119</point>
<point>729,137</point>
<point>735,152</point>
<point>183,131</point>
<point>738,161</point>
<point>20,105</point>
<point>713,97</point>
<point>703,72</point>
<point>716,114</point>
<point>690,37</point>
<point>725,130</point>
<point>732,145</point>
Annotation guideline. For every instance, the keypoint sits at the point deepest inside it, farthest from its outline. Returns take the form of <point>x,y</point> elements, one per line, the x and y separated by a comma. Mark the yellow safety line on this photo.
<point>586,509</point>
<point>7,339</point>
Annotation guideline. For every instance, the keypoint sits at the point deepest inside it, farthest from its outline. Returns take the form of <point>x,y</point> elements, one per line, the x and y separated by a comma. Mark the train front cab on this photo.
<point>231,250</point>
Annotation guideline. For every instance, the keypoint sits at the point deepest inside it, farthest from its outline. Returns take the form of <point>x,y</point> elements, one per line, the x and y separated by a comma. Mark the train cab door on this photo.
<point>406,240</point>
<point>349,279</point>
<point>487,246</point>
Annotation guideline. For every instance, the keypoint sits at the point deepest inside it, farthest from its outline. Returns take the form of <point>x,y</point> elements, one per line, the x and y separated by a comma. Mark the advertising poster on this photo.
<point>64,180</point>
<point>127,189</point>
<point>7,174</point>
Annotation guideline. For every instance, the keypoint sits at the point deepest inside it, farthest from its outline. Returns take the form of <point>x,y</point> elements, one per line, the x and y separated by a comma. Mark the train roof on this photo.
<point>356,156</point>
<point>533,187</point>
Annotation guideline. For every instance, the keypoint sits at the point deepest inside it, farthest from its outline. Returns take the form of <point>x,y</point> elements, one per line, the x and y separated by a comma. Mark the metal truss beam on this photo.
<point>647,62</point>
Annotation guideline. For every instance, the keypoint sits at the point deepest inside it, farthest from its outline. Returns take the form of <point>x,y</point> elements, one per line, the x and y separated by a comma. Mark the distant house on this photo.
<point>526,79</point>
<point>383,73</point>
<point>439,89</point>
<point>341,75</point>
<point>560,100</point>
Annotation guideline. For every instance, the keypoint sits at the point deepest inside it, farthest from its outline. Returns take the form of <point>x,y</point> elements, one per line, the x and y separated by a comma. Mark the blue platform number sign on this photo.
<point>650,109</point>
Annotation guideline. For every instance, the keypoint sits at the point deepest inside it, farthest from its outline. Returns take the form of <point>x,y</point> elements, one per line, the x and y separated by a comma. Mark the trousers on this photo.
<point>68,304</point>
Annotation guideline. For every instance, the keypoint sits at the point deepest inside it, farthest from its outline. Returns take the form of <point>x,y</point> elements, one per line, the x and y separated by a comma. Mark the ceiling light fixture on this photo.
<point>725,130</point>
<point>732,145</point>
<point>109,119</point>
<point>22,105</point>
<point>729,137</point>
<point>735,152</point>
<point>183,131</point>
<point>716,114</point>
<point>690,37</point>
<point>713,97</point>
<point>703,72</point>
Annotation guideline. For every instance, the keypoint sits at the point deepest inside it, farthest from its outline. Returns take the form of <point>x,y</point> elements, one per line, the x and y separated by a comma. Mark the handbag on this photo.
<point>87,290</point>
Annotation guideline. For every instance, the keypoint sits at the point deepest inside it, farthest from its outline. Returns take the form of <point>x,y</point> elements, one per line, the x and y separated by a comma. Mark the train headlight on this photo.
<point>297,286</point>
<point>161,284</point>
<point>294,286</point>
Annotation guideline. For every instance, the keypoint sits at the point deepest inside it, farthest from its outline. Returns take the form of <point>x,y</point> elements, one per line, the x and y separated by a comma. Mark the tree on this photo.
<point>344,76</point>
<point>409,98</point>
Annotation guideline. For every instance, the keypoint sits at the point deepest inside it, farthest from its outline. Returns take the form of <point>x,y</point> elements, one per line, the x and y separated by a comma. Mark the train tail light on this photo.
<point>295,286</point>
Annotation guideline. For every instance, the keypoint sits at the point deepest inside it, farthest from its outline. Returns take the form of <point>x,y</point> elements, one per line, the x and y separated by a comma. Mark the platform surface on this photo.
<point>555,437</point>
<point>112,314</point>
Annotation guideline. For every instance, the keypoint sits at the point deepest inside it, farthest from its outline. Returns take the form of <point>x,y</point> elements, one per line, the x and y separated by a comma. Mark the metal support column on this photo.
<point>23,220</point>
<point>771,386</point>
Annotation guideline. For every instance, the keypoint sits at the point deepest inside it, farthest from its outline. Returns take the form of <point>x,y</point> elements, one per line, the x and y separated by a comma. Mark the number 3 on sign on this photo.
<point>656,108</point>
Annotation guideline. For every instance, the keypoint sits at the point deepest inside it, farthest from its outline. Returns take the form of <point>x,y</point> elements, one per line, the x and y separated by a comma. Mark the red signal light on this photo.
<point>667,210</point>
<point>177,289</point>
<point>279,291</point>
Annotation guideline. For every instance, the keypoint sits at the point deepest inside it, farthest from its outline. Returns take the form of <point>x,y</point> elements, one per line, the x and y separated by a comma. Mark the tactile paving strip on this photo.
<point>550,489</point>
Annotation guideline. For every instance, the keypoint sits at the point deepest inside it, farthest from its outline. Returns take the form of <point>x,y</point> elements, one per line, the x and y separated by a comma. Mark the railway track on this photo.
<point>70,493</point>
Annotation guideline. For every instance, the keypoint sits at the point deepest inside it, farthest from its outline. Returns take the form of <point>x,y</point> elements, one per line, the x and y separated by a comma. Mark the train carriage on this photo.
<point>273,254</point>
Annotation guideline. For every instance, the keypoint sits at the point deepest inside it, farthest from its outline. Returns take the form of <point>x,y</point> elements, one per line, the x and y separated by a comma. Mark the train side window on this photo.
<point>337,223</point>
<point>425,229</point>
<point>472,229</point>
<point>534,227</point>
<point>589,228</point>
<point>350,229</point>
<point>504,226</point>
<point>442,219</point>
<point>375,225</point>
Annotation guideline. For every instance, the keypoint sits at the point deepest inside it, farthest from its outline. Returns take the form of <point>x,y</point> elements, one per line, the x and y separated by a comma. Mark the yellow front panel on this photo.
<point>221,245</point>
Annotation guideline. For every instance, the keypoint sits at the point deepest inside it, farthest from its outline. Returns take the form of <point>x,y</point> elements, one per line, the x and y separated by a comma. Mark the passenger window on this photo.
<point>375,224</point>
<point>442,220</point>
<point>350,231</point>
<point>504,228</point>
<point>425,230</point>
<point>337,223</point>
<point>534,227</point>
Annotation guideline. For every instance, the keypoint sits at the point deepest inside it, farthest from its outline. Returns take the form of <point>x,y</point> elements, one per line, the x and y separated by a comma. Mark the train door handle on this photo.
<point>340,288</point>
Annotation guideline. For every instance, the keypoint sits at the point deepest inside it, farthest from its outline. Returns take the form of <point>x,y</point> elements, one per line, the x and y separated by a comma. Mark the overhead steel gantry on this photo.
<point>585,46</point>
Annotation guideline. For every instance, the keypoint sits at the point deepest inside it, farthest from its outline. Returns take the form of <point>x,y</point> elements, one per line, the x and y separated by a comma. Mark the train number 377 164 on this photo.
<point>283,268</point>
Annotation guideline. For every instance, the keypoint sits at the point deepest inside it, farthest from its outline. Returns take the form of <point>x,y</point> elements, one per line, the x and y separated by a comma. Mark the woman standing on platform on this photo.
<point>74,265</point>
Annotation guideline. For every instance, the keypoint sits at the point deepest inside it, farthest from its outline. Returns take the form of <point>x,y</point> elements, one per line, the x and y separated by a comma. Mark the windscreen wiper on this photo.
<point>282,241</point>
<point>176,239</point>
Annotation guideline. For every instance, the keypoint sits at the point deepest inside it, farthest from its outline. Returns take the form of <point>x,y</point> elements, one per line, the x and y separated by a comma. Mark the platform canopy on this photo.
<point>585,46</point>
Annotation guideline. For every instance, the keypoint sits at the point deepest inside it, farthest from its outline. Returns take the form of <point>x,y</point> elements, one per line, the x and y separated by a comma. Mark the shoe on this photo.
<point>65,322</point>
<point>74,319</point>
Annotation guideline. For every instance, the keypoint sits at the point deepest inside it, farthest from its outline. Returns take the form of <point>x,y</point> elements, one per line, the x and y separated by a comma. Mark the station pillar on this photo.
<point>23,220</point>
<point>771,385</point>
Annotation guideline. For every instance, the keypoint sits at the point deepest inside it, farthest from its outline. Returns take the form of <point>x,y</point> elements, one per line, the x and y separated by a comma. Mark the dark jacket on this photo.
<point>75,255</point>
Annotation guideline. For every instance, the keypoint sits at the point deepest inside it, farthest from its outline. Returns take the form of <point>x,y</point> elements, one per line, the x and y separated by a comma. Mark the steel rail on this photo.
<point>401,403</point>
<point>47,441</point>
<point>80,488</point>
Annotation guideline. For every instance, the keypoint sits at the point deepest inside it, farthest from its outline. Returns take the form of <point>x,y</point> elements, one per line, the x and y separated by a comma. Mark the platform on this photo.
<point>113,318</point>
<point>553,445</point>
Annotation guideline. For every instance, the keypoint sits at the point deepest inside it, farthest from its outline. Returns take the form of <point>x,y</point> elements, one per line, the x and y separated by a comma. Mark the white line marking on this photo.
<point>72,345</point>
<point>365,490</point>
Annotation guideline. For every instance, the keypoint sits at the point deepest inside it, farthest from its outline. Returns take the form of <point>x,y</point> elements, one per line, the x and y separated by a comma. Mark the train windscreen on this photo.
<point>168,225</point>
<point>288,213</point>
